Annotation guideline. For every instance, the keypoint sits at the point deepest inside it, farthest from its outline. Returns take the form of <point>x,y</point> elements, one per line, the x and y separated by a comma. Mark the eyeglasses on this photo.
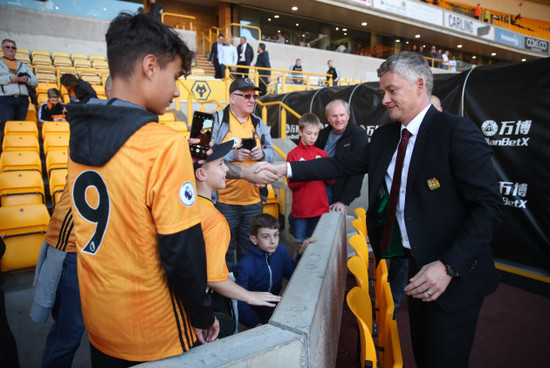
<point>9,47</point>
<point>248,96</point>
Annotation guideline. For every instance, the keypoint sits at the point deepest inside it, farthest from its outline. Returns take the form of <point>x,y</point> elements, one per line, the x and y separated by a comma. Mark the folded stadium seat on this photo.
<point>361,214</point>
<point>392,355</point>
<point>23,57</point>
<point>23,229</point>
<point>21,187</point>
<point>359,227</point>
<point>82,63</point>
<point>359,244</point>
<point>41,60</point>
<point>20,143</point>
<point>19,127</point>
<point>44,87</point>
<point>45,77</point>
<point>41,98</point>
<point>57,183</point>
<point>40,52</point>
<point>90,77</point>
<point>385,315</point>
<point>22,50</point>
<point>380,278</point>
<point>79,55</point>
<point>197,72</point>
<point>97,57</point>
<point>100,64</point>
<point>357,267</point>
<point>358,302</point>
<point>56,142</point>
<point>20,160</point>
<point>60,53</point>
<point>271,204</point>
<point>55,127</point>
<point>62,61</point>
<point>56,160</point>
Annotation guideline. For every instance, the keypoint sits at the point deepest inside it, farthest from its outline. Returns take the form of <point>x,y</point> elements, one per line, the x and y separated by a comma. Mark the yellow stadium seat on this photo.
<point>271,204</point>
<point>62,61</point>
<point>56,142</point>
<point>44,87</point>
<point>100,64</point>
<point>358,269</point>
<point>40,52</point>
<point>31,113</point>
<point>45,77</point>
<point>55,127</point>
<point>57,183</point>
<point>359,244</point>
<point>23,229</point>
<point>56,160</point>
<point>20,160</point>
<point>42,60</point>
<point>381,278</point>
<point>97,57</point>
<point>91,78</point>
<point>20,127</point>
<point>22,50</point>
<point>42,97</point>
<point>79,55</point>
<point>60,53</point>
<point>392,357</point>
<point>20,143</point>
<point>82,63</point>
<point>358,301</point>
<point>359,227</point>
<point>23,57</point>
<point>21,187</point>
<point>361,214</point>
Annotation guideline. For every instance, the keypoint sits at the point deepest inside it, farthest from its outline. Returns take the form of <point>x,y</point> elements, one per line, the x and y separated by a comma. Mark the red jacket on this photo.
<point>309,198</point>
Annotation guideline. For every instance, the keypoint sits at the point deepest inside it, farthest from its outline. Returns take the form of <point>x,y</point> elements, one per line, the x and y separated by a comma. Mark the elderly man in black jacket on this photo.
<point>336,139</point>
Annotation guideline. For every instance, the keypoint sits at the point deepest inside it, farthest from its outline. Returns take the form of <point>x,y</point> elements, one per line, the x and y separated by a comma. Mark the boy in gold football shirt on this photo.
<point>141,256</point>
<point>210,177</point>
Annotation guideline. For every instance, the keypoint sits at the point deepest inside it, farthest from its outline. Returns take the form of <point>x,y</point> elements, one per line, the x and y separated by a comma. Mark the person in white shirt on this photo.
<point>229,56</point>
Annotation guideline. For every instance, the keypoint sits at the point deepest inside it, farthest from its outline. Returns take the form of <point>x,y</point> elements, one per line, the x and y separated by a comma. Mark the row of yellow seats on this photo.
<point>359,302</point>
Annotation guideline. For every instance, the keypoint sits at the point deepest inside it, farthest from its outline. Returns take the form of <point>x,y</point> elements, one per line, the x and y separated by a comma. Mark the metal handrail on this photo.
<point>179,16</point>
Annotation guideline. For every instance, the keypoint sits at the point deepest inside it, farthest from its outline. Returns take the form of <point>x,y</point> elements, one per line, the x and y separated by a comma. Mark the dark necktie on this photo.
<point>394,192</point>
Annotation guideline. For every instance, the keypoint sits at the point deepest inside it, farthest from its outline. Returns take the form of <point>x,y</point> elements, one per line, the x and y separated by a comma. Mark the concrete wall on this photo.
<point>32,29</point>
<point>304,330</point>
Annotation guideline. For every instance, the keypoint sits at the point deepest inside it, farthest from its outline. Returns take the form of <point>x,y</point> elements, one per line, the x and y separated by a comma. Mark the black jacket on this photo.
<point>353,139</point>
<point>248,53</point>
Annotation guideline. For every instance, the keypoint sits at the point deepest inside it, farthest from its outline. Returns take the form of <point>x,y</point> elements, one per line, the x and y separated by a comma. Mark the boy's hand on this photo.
<point>262,298</point>
<point>210,334</point>
<point>198,141</point>
<point>338,207</point>
<point>305,244</point>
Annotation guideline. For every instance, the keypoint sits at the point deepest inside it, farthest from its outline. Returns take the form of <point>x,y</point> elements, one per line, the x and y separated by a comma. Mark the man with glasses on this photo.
<point>14,78</point>
<point>240,201</point>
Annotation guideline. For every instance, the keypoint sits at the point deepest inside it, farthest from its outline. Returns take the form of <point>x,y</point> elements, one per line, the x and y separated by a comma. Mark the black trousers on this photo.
<point>441,338</point>
<point>242,72</point>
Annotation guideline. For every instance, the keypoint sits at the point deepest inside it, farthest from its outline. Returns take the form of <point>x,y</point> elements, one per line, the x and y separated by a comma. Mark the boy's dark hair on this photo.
<point>69,79</point>
<point>262,46</point>
<point>131,37</point>
<point>309,119</point>
<point>53,93</point>
<point>264,220</point>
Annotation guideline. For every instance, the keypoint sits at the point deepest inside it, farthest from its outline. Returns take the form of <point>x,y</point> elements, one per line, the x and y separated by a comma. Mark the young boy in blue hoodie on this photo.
<point>264,267</point>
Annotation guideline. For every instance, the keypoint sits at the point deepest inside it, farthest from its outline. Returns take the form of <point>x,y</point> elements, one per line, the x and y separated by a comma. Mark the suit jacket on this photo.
<point>353,138</point>
<point>263,61</point>
<point>213,58</point>
<point>454,223</point>
<point>248,53</point>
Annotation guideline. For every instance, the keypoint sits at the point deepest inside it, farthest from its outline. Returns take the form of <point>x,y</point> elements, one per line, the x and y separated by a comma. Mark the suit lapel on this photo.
<point>420,146</point>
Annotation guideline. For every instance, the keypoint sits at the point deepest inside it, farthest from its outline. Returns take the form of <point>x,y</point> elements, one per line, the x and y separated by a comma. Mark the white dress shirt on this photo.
<point>413,127</point>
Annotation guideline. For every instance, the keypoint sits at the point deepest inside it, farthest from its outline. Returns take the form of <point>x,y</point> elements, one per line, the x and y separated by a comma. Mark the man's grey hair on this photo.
<point>411,66</point>
<point>334,102</point>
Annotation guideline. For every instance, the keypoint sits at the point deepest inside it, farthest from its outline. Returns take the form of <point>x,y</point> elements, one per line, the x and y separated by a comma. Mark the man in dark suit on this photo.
<point>336,139</point>
<point>215,54</point>
<point>447,209</point>
<point>245,54</point>
<point>262,61</point>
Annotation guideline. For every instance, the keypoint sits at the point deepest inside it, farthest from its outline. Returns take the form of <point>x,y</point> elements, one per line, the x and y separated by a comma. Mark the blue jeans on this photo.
<point>13,108</point>
<point>238,218</point>
<point>303,227</point>
<point>64,336</point>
